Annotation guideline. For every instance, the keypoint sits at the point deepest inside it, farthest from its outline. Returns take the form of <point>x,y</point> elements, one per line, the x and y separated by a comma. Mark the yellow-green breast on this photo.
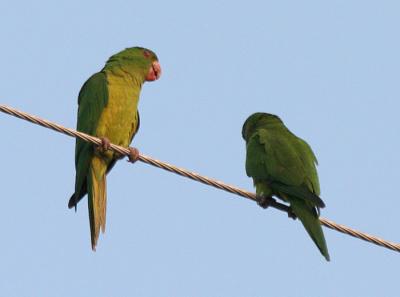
<point>119,118</point>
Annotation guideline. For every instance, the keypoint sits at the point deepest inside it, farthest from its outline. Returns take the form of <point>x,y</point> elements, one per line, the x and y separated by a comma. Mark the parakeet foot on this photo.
<point>291,214</point>
<point>264,201</point>
<point>105,144</point>
<point>133,154</point>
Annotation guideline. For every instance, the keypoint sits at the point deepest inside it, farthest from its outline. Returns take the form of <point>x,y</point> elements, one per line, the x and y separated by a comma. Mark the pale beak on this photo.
<point>154,72</point>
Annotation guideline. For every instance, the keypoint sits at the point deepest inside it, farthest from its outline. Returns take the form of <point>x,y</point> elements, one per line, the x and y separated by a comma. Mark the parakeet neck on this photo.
<point>127,75</point>
<point>125,86</point>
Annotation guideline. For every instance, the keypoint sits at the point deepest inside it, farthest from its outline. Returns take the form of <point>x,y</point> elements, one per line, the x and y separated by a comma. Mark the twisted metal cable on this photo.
<point>195,176</point>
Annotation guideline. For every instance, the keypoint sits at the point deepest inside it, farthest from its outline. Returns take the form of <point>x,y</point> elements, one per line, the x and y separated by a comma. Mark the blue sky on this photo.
<point>330,70</point>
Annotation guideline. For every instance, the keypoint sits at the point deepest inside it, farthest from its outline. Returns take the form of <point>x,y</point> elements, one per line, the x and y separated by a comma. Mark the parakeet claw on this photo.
<point>105,144</point>
<point>291,214</point>
<point>264,201</point>
<point>133,154</point>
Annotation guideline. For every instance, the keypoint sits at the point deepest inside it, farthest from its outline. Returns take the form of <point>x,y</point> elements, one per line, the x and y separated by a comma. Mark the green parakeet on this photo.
<point>283,165</point>
<point>108,103</point>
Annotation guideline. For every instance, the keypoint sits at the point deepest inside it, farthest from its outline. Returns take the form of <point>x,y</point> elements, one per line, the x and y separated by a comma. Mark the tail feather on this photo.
<point>299,192</point>
<point>97,198</point>
<point>73,201</point>
<point>309,218</point>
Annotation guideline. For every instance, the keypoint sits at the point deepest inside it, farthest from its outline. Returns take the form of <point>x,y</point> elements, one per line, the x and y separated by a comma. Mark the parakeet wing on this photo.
<point>286,161</point>
<point>309,161</point>
<point>92,99</point>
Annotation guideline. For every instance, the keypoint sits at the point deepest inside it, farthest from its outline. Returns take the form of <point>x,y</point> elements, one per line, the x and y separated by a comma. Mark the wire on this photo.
<point>195,176</point>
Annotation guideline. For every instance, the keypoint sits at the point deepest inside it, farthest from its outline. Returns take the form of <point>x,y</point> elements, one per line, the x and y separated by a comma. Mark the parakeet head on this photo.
<point>138,60</point>
<point>258,120</point>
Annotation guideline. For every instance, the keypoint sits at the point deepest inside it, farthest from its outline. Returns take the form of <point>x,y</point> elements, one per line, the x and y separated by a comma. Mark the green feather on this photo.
<point>93,98</point>
<point>283,165</point>
<point>309,218</point>
<point>107,108</point>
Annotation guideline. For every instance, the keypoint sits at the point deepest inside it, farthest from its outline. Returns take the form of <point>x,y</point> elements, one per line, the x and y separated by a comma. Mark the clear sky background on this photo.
<point>329,69</point>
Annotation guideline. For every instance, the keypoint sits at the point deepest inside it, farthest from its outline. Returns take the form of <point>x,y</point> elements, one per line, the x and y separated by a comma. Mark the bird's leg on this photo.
<point>105,144</point>
<point>264,201</point>
<point>291,213</point>
<point>133,154</point>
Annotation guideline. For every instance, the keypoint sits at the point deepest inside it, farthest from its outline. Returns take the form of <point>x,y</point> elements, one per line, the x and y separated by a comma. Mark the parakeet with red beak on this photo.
<point>108,109</point>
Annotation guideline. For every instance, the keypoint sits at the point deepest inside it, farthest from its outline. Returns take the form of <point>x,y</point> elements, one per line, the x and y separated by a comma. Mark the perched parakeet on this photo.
<point>108,103</point>
<point>283,165</point>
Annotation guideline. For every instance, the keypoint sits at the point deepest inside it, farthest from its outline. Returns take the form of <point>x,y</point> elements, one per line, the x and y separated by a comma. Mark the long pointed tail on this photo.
<point>97,198</point>
<point>309,217</point>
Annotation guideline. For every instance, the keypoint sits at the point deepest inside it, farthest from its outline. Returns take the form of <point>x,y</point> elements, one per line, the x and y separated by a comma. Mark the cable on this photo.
<point>195,176</point>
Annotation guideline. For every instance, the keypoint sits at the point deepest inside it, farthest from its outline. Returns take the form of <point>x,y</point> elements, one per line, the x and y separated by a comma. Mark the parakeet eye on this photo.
<point>146,53</point>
